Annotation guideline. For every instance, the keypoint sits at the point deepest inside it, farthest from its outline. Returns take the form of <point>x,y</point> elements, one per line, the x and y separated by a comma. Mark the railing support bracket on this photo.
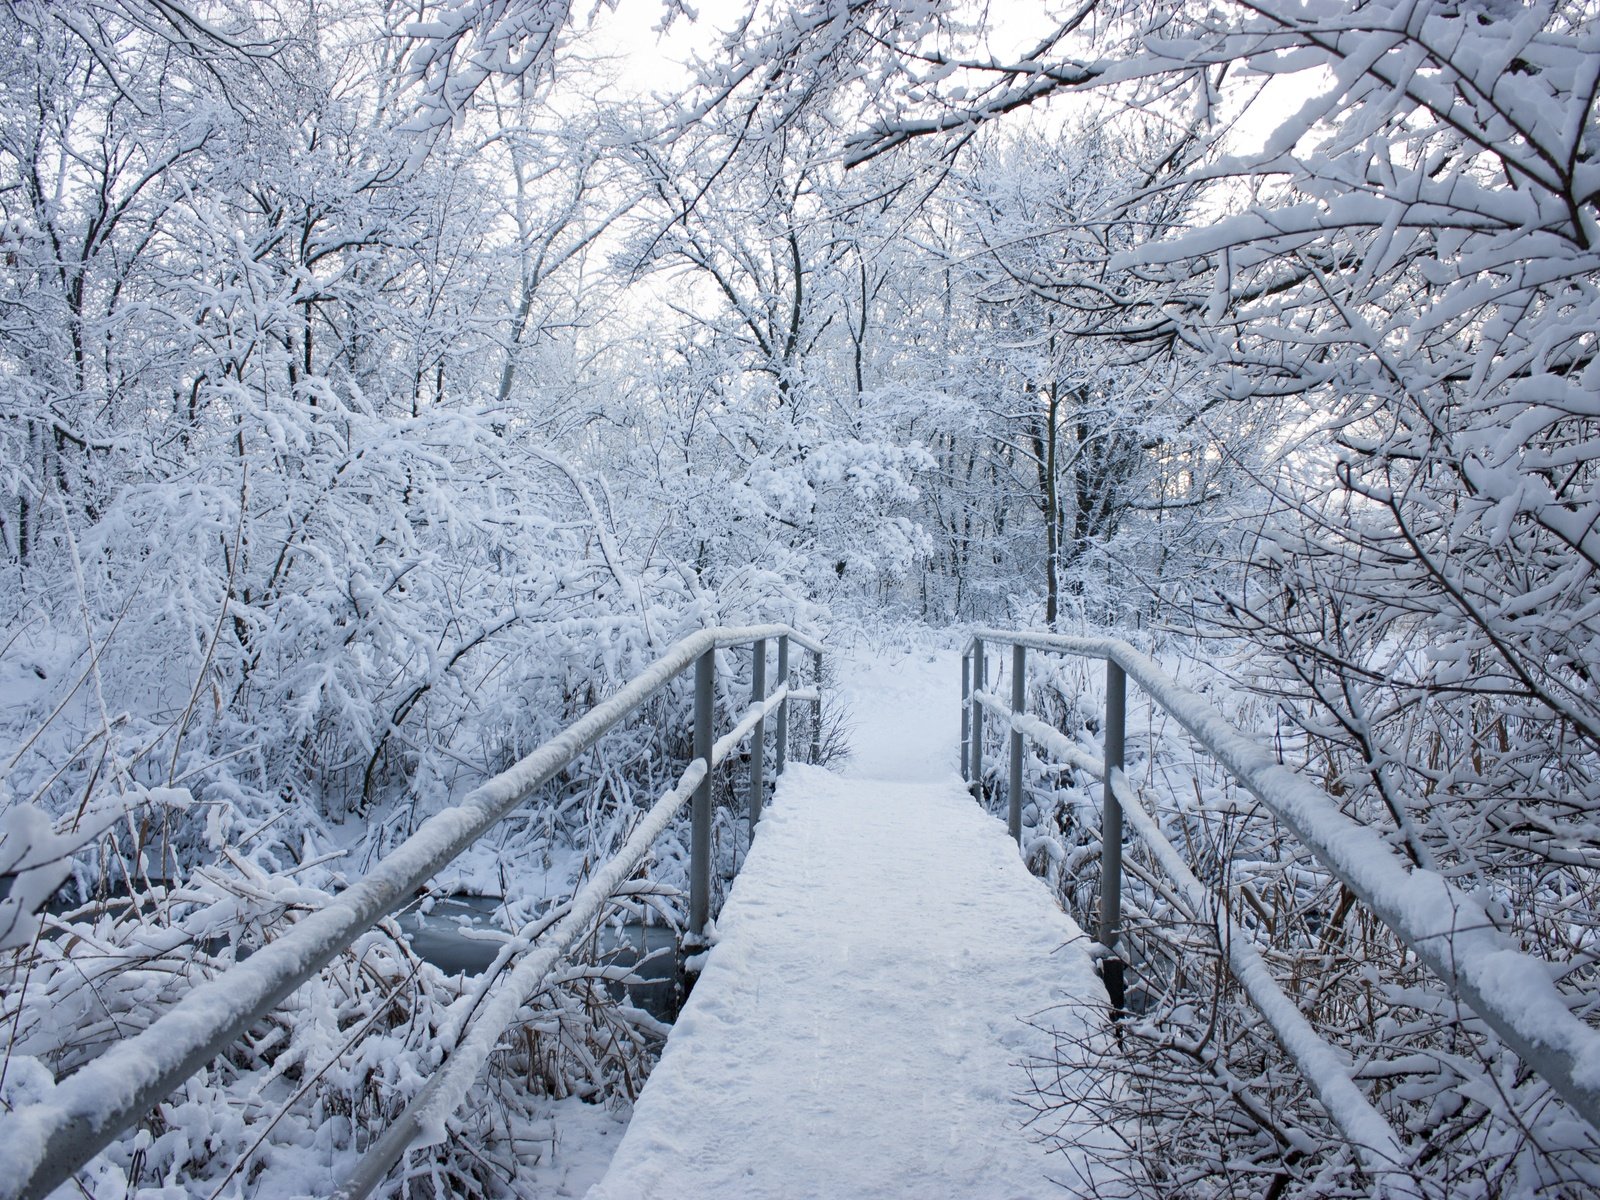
<point>975,775</point>
<point>758,735</point>
<point>1111,833</point>
<point>1019,700</point>
<point>705,674</point>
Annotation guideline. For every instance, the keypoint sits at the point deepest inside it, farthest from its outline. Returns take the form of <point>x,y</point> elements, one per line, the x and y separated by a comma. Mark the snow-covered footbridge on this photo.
<point>887,993</point>
<point>885,972</point>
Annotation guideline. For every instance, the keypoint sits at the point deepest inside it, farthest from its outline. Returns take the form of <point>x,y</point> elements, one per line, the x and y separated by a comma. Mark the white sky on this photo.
<point>655,62</point>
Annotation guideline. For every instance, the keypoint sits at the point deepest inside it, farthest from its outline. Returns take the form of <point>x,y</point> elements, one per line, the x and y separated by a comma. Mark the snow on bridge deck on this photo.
<point>885,969</point>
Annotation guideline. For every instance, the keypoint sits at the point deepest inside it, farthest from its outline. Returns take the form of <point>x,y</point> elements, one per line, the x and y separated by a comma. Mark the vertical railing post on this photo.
<point>975,779</point>
<point>1019,699</point>
<point>816,707</point>
<point>758,739</point>
<point>700,819</point>
<point>780,755</point>
<point>966,713</point>
<point>1111,966</point>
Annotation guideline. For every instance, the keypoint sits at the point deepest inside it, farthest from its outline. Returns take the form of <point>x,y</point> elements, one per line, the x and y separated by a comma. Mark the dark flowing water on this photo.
<point>445,936</point>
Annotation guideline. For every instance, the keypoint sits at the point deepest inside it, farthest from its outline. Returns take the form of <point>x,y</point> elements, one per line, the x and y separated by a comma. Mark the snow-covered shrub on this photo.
<point>299,544</point>
<point>289,1108</point>
<point>1206,1101</point>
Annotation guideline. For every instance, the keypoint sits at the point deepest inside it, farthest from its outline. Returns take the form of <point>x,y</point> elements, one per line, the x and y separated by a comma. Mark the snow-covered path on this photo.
<point>862,1025</point>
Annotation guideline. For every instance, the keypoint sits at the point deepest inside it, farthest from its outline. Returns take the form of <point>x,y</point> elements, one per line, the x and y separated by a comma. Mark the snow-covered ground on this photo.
<point>863,1024</point>
<point>582,1138</point>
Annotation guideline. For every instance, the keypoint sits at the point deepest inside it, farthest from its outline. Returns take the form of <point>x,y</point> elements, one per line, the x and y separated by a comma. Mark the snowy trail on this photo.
<point>861,1027</point>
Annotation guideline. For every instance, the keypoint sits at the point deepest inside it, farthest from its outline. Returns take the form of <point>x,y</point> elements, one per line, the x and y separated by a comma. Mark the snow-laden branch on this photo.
<point>34,862</point>
<point>1045,735</point>
<point>468,42</point>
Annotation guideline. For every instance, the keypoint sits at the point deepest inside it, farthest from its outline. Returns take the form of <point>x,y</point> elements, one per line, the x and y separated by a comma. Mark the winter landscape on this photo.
<point>519,526</point>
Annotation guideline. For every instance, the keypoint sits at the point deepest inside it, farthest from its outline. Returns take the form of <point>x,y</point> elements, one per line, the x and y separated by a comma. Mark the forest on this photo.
<point>383,384</point>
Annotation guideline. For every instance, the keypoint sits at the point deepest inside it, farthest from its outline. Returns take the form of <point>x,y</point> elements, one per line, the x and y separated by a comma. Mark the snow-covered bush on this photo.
<point>300,544</point>
<point>1205,1101</point>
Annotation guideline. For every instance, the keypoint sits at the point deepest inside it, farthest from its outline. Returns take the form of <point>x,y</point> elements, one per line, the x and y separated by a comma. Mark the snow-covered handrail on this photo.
<point>1509,989</point>
<point>423,1121</point>
<point>1326,1069</point>
<point>48,1140</point>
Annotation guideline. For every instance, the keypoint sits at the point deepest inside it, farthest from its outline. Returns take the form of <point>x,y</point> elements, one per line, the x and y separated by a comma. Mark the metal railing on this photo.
<point>48,1141</point>
<point>1509,990</point>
